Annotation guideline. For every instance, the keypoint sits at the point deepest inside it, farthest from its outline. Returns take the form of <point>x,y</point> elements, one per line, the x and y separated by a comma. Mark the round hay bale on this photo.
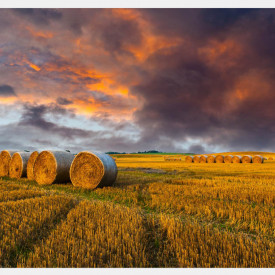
<point>211,159</point>
<point>189,159</point>
<point>257,159</point>
<point>203,159</point>
<point>5,157</point>
<point>270,158</point>
<point>31,161</point>
<point>246,159</point>
<point>91,170</point>
<point>237,159</point>
<point>52,167</point>
<point>219,159</point>
<point>18,165</point>
<point>228,159</point>
<point>197,159</point>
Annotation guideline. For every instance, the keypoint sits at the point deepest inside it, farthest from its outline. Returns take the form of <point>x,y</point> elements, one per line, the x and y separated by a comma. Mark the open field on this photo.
<point>158,214</point>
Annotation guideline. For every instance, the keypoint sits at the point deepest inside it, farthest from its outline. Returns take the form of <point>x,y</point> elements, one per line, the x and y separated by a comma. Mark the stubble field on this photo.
<point>158,214</point>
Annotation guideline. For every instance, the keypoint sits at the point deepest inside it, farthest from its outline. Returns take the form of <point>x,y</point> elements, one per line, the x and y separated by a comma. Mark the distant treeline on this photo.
<point>147,152</point>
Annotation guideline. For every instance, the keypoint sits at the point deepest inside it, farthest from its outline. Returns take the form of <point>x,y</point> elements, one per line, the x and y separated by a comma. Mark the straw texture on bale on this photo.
<point>52,167</point>
<point>246,159</point>
<point>211,159</point>
<point>203,159</point>
<point>197,159</point>
<point>31,161</point>
<point>5,158</point>
<point>228,159</point>
<point>270,158</point>
<point>189,159</point>
<point>219,159</point>
<point>18,165</point>
<point>237,159</point>
<point>257,159</point>
<point>91,170</point>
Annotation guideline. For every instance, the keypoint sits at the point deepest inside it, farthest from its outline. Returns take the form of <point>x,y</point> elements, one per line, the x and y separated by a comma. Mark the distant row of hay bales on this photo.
<point>224,159</point>
<point>172,159</point>
<point>85,169</point>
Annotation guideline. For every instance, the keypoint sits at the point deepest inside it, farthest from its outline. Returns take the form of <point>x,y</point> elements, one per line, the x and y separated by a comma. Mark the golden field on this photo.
<point>158,214</point>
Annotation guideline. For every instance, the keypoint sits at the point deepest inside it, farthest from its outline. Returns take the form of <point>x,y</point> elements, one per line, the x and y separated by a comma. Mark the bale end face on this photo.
<point>5,158</point>
<point>211,159</point>
<point>45,168</point>
<point>30,165</point>
<point>228,159</point>
<point>203,159</point>
<point>237,159</point>
<point>16,166</point>
<point>257,159</point>
<point>92,170</point>
<point>189,159</point>
<point>197,159</point>
<point>247,159</point>
<point>219,159</point>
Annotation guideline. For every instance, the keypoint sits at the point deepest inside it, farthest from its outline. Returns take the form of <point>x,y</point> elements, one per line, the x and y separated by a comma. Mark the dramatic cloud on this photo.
<point>196,80</point>
<point>6,91</point>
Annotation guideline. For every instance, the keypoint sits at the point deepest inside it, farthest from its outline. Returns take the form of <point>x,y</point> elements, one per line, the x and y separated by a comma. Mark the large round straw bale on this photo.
<point>219,159</point>
<point>228,159</point>
<point>246,159</point>
<point>197,159</point>
<point>5,157</point>
<point>18,165</point>
<point>92,170</point>
<point>31,161</point>
<point>237,159</point>
<point>211,159</point>
<point>203,159</point>
<point>257,159</point>
<point>52,167</point>
<point>189,159</point>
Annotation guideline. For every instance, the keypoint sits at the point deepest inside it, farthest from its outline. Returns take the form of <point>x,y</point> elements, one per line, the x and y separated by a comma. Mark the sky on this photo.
<point>128,80</point>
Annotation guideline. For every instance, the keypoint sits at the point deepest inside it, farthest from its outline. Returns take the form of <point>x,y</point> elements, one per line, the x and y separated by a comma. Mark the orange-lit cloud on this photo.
<point>221,53</point>
<point>39,34</point>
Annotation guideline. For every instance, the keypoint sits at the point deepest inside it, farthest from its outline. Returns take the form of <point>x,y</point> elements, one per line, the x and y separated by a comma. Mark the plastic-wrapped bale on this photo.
<point>52,167</point>
<point>5,158</point>
<point>203,159</point>
<point>197,159</point>
<point>246,159</point>
<point>257,159</point>
<point>237,159</point>
<point>92,169</point>
<point>31,161</point>
<point>18,165</point>
<point>189,159</point>
<point>219,159</point>
<point>228,159</point>
<point>211,159</point>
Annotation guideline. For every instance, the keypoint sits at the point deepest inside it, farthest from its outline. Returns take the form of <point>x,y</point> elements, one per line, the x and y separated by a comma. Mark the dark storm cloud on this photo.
<point>196,149</point>
<point>34,115</point>
<point>196,23</point>
<point>7,91</point>
<point>116,33</point>
<point>39,16</point>
<point>187,95</point>
<point>197,78</point>
<point>63,101</point>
